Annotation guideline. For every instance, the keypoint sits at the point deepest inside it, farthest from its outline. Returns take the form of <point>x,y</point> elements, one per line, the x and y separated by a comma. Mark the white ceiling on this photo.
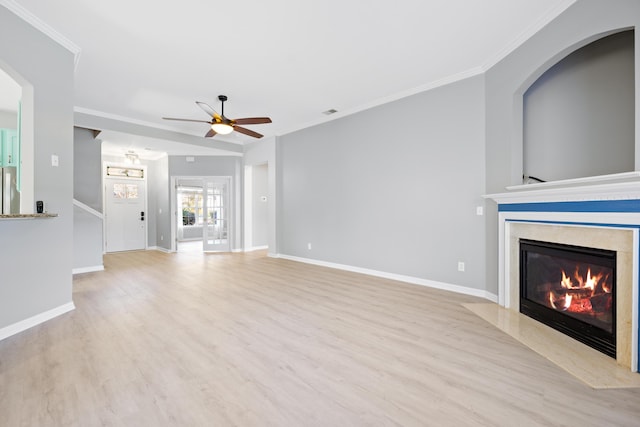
<point>290,60</point>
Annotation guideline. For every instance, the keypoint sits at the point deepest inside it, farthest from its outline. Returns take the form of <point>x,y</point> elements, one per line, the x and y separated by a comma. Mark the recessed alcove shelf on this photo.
<point>28,216</point>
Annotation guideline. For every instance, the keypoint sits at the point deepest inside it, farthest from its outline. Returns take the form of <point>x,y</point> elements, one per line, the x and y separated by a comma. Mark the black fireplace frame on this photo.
<point>586,333</point>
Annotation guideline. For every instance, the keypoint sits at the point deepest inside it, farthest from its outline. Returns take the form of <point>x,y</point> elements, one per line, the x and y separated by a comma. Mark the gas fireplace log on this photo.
<point>601,302</point>
<point>577,292</point>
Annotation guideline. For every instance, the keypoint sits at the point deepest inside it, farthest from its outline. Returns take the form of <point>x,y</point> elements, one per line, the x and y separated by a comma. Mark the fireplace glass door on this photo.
<point>571,289</point>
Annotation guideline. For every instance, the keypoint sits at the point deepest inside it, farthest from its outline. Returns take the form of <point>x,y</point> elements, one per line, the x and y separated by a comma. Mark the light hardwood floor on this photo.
<point>191,339</point>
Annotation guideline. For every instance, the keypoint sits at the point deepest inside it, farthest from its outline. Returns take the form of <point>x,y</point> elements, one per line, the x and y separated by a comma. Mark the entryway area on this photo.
<point>125,202</point>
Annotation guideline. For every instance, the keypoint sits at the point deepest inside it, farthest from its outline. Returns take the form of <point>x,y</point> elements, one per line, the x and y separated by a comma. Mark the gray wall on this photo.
<point>210,166</point>
<point>506,82</point>
<point>264,152</point>
<point>8,120</point>
<point>579,115</point>
<point>87,189</point>
<point>401,201</point>
<point>87,241</point>
<point>204,166</point>
<point>36,255</point>
<point>260,208</point>
<point>87,164</point>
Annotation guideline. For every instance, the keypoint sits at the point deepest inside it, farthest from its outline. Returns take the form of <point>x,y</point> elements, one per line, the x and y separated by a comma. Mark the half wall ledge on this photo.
<point>28,216</point>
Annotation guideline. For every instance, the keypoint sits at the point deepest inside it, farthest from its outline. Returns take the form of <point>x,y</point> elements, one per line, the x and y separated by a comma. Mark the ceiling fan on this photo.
<point>223,125</point>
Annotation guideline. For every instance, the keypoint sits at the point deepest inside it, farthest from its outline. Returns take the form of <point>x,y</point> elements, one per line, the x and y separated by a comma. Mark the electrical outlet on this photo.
<point>479,211</point>
<point>161,237</point>
<point>460,266</point>
<point>54,160</point>
<point>309,246</point>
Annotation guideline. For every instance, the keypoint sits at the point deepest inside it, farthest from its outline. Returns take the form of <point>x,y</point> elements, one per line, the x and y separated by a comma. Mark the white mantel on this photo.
<point>623,186</point>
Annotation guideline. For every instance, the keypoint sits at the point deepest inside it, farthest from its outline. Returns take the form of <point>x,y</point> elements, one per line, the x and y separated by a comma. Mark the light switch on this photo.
<point>54,160</point>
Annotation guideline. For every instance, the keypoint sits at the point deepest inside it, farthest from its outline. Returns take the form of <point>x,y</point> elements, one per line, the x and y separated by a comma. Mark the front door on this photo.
<point>125,217</point>
<point>215,230</point>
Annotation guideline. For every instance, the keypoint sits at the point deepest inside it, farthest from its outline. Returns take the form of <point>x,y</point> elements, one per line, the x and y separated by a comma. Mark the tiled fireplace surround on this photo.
<point>601,212</point>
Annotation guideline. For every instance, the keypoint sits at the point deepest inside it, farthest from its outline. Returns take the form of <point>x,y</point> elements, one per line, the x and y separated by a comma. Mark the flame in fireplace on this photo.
<point>591,281</point>
<point>560,302</point>
<point>565,282</point>
<point>581,294</point>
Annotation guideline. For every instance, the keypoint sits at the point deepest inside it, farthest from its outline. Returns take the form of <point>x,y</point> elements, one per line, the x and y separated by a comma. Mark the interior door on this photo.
<point>125,219</point>
<point>215,230</point>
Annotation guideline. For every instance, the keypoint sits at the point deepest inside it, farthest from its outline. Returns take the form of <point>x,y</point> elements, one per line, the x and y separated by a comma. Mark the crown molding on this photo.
<point>528,32</point>
<point>43,27</point>
<point>387,99</point>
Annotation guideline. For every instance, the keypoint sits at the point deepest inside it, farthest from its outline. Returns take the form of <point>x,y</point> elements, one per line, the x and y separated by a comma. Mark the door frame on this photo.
<point>104,199</point>
<point>225,182</point>
<point>248,217</point>
<point>173,195</point>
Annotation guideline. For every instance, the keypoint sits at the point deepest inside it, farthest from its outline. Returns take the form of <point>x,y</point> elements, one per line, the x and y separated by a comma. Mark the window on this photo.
<point>190,202</point>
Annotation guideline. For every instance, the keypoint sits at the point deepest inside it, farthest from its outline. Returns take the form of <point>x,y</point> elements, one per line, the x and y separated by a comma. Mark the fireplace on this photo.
<point>595,212</point>
<point>571,289</point>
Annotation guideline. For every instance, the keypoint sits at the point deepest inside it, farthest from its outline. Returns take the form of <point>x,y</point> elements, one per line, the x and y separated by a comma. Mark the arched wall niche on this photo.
<point>549,155</point>
<point>26,138</point>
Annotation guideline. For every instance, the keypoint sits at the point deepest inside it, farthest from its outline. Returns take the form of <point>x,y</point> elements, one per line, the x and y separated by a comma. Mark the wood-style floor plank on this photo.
<point>192,339</point>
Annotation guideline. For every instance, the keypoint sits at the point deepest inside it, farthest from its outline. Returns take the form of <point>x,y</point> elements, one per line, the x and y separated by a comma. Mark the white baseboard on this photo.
<point>35,320</point>
<point>401,278</point>
<point>81,270</point>
<point>159,248</point>
<point>256,248</point>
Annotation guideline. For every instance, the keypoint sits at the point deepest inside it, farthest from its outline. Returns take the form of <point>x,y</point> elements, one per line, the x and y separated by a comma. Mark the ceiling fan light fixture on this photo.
<point>222,128</point>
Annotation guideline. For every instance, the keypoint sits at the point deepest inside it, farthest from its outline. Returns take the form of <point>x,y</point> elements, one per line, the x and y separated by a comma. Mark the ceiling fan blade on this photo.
<point>208,109</point>
<point>210,133</point>
<point>247,132</point>
<point>186,120</point>
<point>252,120</point>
